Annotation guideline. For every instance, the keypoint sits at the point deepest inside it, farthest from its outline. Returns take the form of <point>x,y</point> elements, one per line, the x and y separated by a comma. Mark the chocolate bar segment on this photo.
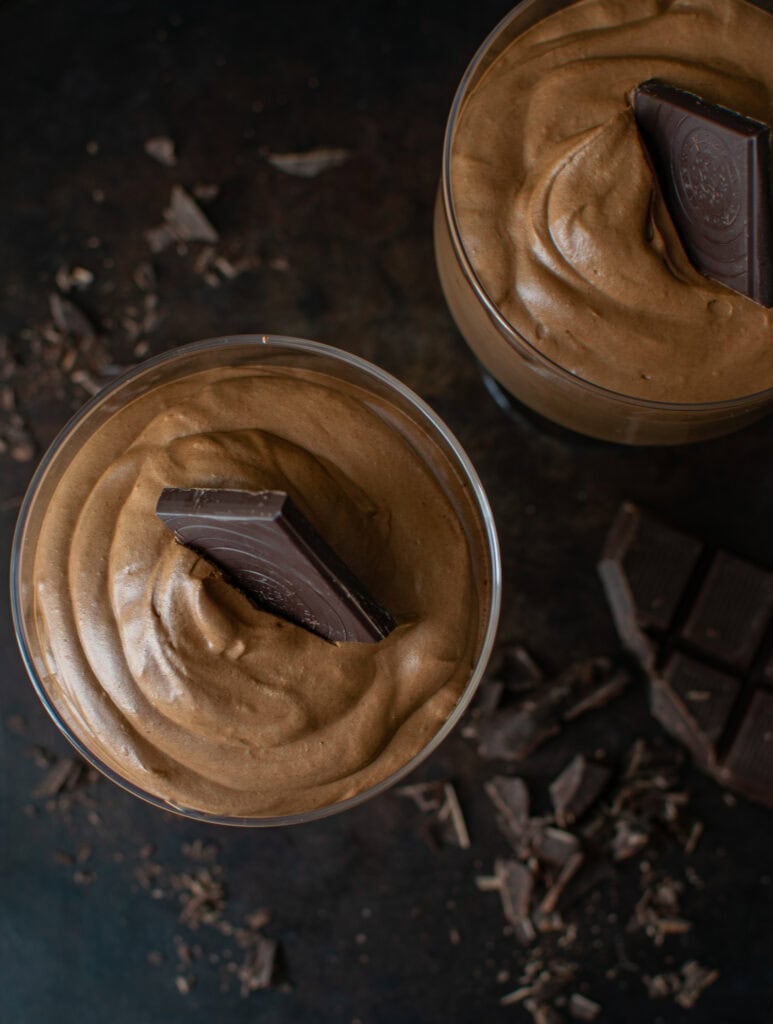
<point>646,567</point>
<point>732,611</point>
<point>714,170</point>
<point>709,656</point>
<point>267,549</point>
<point>749,763</point>
<point>696,699</point>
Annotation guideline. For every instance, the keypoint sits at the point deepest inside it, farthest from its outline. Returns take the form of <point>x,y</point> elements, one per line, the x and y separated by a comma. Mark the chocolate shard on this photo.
<point>582,1008</point>
<point>510,796</point>
<point>265,547</point>
<point>516,884</point>
<point>576,789</point>
<point>710,659</point>
<point>645,568</point>
<point>714,170</point>
<point>554,845</point>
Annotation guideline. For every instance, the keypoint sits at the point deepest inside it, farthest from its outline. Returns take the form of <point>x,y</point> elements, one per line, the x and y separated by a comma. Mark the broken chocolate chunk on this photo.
<point>515,883</point>
<point>708,659</point>
<point>576,789</point>
<point>267,549</point>
<point>714,170</point>
<point>512,733</point>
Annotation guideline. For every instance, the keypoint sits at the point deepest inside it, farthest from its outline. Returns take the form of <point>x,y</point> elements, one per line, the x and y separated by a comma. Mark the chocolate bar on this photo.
<point>264,546</point>
<point>714,169</point>
<point>700,622</point>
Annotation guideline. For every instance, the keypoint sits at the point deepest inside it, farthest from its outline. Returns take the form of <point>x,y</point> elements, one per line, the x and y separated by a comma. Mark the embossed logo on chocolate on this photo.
<point>708,178</point>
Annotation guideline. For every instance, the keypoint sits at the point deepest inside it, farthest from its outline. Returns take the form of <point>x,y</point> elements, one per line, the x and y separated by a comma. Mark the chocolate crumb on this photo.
<point>309,164</point>
<point>257,968</point>
<point>184,983</point>
<point>554,893</point>
<point>456,817</point>
<point>686,985</point>
<point>186,220</point>
<point>69,319</point>
<point>64,774</point>
<point>428,796</point>
<point>582,1008</point>
<point>515,888</point>
<point>161,148</point>
<point>70,278</point>
<point>206,192</point>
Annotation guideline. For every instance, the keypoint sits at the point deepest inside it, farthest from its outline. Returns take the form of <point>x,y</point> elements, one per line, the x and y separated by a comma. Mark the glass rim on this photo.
<point>513,336</point>
<point>479,501</point>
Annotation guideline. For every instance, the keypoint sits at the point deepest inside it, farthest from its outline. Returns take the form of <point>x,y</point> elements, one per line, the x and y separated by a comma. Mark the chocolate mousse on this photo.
<point>172,678</point>
<point>562,220</point>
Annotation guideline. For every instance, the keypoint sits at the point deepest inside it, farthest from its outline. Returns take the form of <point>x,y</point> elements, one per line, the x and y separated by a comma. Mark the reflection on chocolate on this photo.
<point>714,169</point>
<point>265,547</point>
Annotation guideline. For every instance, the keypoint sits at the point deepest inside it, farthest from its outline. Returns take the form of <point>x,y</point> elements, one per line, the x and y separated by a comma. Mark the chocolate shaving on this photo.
<point>69,319</point>
<point>556,890</point>
<point>657,912</point>
<point>686,986</point>
<point>456,816</point>
<point>63,775</point>
<point>186,219</point>
<point>582,1008</point>
<point>515,885</point>
<point>309,164</point>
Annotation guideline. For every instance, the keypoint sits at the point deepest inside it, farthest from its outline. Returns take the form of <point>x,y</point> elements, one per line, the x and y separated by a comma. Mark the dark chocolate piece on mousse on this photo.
<point>264,546</point>
<point>714,169</point>
<point>709,658</point>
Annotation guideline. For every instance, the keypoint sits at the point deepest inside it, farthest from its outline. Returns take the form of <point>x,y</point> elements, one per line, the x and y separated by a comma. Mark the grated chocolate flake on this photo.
<point>310,164</point>
<point>161,149</point>
<point>685,986</point>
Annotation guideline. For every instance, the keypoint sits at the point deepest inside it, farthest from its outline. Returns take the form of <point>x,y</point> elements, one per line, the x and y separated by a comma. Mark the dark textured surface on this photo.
<point>363,907</point>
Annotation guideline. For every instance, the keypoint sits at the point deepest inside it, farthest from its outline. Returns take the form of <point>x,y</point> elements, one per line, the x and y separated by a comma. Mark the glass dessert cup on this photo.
<point>511,357</point>
<point>438,450</point>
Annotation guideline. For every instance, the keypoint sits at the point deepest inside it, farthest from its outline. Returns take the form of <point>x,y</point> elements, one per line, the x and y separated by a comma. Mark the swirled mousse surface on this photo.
<point>172,677</point>
<point>559,212</point>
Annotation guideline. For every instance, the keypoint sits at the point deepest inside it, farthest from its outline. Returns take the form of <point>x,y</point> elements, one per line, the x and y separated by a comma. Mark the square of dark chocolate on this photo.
<point>656,562</point>
<point>749,762</point>
<point>706,695</point>
<point>714,170</point>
